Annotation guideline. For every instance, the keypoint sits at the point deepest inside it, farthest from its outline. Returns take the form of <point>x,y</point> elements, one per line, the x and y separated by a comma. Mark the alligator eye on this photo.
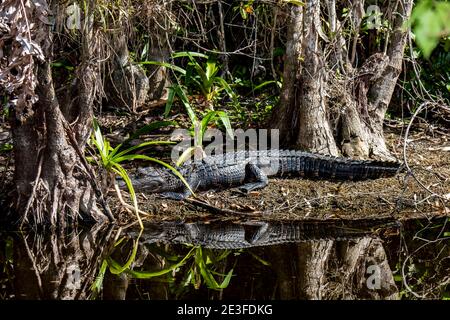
<point>140,172</point>
<point>153,184</point>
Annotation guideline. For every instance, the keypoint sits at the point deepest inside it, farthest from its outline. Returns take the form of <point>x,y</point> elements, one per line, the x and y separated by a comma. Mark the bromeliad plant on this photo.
<point>204,79</point>
<point>197,77</point>
<point>199,266</point>
<point>198,131</point>
<point>111,160</point>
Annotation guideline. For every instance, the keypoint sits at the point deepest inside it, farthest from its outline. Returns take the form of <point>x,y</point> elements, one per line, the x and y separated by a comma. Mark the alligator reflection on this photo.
<point>216,260</point>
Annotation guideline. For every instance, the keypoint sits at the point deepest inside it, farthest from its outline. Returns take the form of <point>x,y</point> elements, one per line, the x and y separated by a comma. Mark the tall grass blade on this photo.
<point>149,128</point>
<point>98,283</point>
<point>226,122</point>
<point>148,275</point>
<point>169,103</point>
<point>185,156</point>
<point>124,175</point>
<point>165,64</point>
<point>226,87</point>
<point>211,68</point>
<point>189,54</point>
<point>206,120</point>
<point>184,99</point>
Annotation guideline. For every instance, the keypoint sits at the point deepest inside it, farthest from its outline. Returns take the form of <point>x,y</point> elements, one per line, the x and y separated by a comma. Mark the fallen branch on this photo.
<point>218,210</point>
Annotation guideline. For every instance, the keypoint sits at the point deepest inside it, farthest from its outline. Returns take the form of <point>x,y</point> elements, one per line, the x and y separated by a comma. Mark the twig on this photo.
<point>218,210</point>
<point>405,143</point>
<point>5,171</point>
<point>272,42</point>
<point>409,257</point>
<point>26,20</point>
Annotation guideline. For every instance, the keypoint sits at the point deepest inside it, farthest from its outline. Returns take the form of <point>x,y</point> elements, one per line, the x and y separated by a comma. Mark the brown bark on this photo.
<point>333,105</point>
<point>284,267</point>
<point>374,84</point>
<point>127,86</point>
<point>52,184</point>
<point>160,31</point>
<point>315,132</point>
<point>357,258</point>
<point>380,93</point>
<point>285,118</point>
<point>115,286</point>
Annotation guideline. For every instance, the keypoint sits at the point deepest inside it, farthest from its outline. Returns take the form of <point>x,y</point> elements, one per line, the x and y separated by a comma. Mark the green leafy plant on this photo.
<point>197,76</point>
<point>267,83</point>
<point>6,147</point>
<point>245,9</point>
<point>430,21</point>
<point>203,78</point>
<point>198,131</point>
<point>63,64</point>
<point>97,285</point>
<point>116,268</point>
<point>5,110</point>
<point>203,269</point>
<point>193,268</point>
<point>111,160</point>
<point>205,260</point>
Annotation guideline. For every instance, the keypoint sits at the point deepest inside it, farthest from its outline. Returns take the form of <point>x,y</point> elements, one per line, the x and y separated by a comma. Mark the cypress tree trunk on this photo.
<point>338,101</point>
<point>51,182</point>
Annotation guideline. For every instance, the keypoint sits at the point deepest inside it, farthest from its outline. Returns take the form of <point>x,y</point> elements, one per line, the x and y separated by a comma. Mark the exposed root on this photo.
<point>33,193</point>
<point>128,207</point>
<point>91,174</point>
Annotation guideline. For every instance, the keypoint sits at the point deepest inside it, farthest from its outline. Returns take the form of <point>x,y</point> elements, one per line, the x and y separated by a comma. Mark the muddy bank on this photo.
<point>424,193</point>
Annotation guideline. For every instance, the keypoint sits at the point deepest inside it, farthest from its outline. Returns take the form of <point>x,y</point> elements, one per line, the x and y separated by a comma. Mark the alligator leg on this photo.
<point>193,183</point>
<point>252,171</point>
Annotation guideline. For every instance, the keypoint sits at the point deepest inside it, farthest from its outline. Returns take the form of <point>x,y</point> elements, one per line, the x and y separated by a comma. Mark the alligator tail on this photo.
<point>333,168</point>
<point>363,170</point>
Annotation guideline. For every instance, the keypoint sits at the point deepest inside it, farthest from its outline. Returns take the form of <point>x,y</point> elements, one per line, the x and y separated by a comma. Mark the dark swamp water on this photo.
<point>219,260</point>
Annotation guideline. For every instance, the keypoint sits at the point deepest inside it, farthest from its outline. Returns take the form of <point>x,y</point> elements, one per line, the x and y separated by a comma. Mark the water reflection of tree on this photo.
<point>330,269</point>
<point>315,269</point>
<point>80,265</point>
<point>58,264</point>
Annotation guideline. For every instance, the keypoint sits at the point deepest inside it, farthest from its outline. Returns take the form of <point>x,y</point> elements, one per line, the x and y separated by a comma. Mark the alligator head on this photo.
<point>153,180</point>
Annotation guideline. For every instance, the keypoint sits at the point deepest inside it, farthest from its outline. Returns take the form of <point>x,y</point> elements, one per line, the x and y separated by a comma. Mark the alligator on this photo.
<point>249,170</point>
<point>250,234</point>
